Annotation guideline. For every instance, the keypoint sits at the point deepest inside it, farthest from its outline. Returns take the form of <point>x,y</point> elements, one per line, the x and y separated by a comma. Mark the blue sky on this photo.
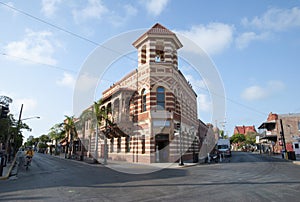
<point>254,45</point>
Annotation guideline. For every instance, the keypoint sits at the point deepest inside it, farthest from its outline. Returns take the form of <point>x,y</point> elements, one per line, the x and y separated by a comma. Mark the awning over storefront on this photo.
<point>270,138</point>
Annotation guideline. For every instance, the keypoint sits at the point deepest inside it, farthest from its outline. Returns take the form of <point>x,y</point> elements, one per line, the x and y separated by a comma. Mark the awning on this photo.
<point>270,137</point>
<point>269,125</point>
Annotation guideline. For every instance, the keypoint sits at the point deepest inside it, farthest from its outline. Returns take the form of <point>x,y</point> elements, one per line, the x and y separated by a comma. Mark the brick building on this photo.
<point>153,108</point>
<point>271,131</point>
<point>244,130</point>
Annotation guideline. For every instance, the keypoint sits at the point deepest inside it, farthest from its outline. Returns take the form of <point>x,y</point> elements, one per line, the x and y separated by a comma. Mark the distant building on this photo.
<point>244,130</point>
<point>272,133</point>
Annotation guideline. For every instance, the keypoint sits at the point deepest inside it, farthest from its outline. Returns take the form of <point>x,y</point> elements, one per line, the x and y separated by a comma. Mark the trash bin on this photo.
<point>291,155</point>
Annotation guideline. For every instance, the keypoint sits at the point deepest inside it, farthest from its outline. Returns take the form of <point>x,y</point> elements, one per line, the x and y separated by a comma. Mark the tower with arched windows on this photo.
<point>148,105</point>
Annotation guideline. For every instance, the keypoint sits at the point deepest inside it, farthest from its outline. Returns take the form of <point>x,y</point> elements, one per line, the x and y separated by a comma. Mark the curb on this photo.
<point>9,170</point>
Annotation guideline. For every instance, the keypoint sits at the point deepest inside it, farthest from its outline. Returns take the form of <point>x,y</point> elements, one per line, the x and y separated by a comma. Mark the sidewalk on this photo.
<point>8,169</point>
<point>279,156</point>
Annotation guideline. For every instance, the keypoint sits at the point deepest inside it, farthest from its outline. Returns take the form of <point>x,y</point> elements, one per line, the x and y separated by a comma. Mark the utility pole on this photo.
<point>283,139</point>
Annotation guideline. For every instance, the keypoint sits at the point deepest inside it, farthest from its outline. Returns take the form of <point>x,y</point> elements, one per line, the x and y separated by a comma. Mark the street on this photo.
<point>247,177</point>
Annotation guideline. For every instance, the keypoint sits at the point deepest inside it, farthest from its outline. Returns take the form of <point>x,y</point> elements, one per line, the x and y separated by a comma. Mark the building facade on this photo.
<point>280,129</point>
<point>152,111</point>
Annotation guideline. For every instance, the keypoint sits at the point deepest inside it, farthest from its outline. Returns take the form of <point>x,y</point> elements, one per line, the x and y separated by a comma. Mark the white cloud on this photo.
<point>49,7</point>
<point>36,46</point>
<point>94,9</point>
<point>196,84</point>
<point>245,38</point>
<point>257,92</point>
<point>29,104</point>
<point>199,85</point>
<point>155,7</point>
<point>213,38</point>
<point>276,19</point>
<point>117,20</point>
<point>204,104</point>
<point>86,82</point>
<point>130,10</point>
<point>68,80</point>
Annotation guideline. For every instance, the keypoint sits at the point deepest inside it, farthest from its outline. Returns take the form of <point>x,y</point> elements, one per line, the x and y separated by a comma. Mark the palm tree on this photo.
<point>71,132</point>
<point>102,114</point>
<point>57,133</point>
<point>86,115</point>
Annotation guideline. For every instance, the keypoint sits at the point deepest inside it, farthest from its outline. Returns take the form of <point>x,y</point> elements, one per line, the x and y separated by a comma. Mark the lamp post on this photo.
<point>192,130</point>
<point>180,142</point>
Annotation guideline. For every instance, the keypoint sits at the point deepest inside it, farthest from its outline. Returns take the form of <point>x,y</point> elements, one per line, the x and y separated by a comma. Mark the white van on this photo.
<point>223,147</point>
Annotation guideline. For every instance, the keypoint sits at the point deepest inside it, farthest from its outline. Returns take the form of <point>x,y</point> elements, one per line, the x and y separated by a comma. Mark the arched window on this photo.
<point>116,109</point>
<point>160,98</point>
<point>143,55</point>
<point>108,108</point>
<point>144,105</point>
<point>159,52</point>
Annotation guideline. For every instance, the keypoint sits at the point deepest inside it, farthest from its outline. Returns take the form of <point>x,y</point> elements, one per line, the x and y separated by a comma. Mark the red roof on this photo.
<point>244,130</point>
<point>159,29</point>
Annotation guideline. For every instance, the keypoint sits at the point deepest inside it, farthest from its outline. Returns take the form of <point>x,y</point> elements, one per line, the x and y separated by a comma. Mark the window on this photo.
<point>143,55</point>
<point>109,108</point>
<point>143,145</point>
<point>127,144</point>
<point>160,98</point>
<point>112,145</point>
<point>159,52</point>
<point>119,144</point>
<point>144,105</point>
<point>116,107</point>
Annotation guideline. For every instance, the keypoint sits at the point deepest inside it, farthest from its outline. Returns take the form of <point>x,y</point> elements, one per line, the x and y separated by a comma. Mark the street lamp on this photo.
<point>33,117</point>
<point>180,142</point>
<point>192,130</point>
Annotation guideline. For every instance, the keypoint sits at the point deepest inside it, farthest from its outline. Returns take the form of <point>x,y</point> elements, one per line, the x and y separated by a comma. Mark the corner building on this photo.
<point>153,108</point>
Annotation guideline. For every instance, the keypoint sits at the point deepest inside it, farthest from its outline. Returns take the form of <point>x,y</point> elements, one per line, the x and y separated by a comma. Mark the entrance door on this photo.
<point>162,148</point>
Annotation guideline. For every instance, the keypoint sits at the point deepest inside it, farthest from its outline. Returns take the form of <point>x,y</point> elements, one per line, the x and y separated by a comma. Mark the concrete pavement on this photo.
<point>128,167</point>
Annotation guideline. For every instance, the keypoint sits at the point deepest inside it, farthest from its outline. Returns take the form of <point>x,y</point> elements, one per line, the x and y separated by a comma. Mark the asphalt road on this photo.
<point>247,177</point>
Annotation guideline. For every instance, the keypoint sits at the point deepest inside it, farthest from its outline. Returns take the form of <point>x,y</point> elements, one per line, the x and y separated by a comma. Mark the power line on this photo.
<point>64,30</point>
<point>233,101</point>
<point>32,61</point>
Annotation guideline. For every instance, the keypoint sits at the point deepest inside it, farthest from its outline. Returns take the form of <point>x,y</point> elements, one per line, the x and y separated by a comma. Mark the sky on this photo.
<point>254,46</point>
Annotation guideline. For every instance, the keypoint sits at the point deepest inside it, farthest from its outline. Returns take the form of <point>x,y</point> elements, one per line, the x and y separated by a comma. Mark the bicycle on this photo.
<point>28,161</point>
